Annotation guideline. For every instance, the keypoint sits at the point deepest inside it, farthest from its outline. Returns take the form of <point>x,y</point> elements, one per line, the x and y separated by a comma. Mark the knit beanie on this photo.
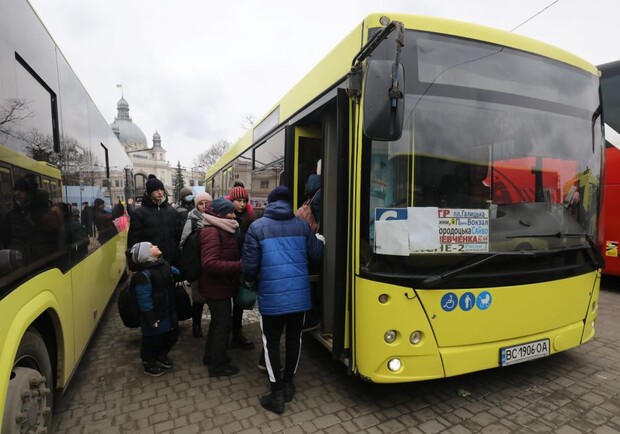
<point>281,192</point>
<point>154,184</point>
<point>238,193</point>
<point>140,252</point>
<point>222,206</point>
<point>202,196</point>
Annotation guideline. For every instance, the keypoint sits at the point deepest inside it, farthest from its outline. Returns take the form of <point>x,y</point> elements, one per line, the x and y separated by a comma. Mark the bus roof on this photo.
<point>16,159</point>
<point>333,68</point>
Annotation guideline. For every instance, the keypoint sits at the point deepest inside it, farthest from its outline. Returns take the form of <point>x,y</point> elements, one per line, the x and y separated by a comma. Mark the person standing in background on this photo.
<point>195,222</point>
<point>239,198</point>
<point>155,221</point>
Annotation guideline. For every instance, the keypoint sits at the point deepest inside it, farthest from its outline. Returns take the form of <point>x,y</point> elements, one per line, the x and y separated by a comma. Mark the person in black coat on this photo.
<point>155,221</point>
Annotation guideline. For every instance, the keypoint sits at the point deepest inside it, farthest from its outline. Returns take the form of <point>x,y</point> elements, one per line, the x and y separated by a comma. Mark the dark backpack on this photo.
<point>128,306</point>
<point>189,257</point>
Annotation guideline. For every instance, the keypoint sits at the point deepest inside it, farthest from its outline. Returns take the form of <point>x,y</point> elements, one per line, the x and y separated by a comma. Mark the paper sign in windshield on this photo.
<point>401,231</point>
<point>463,230</point>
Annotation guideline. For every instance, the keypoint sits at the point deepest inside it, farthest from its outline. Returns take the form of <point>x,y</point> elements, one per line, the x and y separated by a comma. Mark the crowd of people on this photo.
<point>271,255</point>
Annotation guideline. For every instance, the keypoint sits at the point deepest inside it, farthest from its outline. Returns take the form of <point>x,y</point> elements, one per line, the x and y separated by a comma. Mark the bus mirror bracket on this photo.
<point>383,105</point>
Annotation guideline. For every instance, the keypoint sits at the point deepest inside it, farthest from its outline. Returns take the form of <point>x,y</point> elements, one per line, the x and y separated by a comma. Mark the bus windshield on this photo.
<point>501,153</point>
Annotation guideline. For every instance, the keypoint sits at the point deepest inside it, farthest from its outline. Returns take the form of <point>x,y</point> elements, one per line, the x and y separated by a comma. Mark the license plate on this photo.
<point>524,352</point>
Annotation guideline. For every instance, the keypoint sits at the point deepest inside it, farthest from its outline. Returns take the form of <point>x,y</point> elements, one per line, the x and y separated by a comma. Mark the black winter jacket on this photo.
<point>156,224</point>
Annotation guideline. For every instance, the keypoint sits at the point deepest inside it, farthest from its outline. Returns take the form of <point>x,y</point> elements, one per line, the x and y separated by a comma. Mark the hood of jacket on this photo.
<point>279,210</point>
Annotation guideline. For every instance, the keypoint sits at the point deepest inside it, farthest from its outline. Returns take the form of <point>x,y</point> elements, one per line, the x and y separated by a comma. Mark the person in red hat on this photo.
<point>239,197</point>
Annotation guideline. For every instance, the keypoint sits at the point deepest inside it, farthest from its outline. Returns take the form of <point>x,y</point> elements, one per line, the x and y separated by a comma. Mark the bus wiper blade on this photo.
<point>444,277</point>
<point>597,257</point>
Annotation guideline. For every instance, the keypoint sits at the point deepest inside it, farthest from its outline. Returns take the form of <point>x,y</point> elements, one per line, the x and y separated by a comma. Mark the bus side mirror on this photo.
<point>383,105</point>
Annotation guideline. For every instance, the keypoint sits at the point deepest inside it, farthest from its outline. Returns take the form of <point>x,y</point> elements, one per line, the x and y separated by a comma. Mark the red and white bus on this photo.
<point>610,229</point>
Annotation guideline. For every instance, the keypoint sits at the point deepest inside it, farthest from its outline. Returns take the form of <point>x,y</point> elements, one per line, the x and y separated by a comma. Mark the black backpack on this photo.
<point>189,257</point>
<point>128,306</point>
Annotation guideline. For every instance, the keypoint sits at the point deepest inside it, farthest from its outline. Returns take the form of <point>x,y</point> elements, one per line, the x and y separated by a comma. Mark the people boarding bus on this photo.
<point>448,151</point>
<point>57,272</point>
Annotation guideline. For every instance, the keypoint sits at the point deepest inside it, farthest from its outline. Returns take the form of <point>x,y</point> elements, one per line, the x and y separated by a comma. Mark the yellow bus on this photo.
<point>59,264</point>
<point>428,133</point>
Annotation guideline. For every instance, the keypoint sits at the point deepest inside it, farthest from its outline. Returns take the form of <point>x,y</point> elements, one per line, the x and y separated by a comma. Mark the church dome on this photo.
<point>128,132</point>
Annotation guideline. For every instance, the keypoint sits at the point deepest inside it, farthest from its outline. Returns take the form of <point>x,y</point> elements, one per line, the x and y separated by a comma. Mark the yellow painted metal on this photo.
<point>403,313</point>
<point>458,342</point>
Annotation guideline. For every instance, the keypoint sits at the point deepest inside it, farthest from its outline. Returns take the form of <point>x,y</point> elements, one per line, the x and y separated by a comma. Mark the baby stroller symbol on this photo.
<point>484,300</point>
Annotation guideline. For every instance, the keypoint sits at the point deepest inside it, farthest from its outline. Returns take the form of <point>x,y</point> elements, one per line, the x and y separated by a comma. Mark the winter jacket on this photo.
<point>219,255</point>
<point>276,253</point>
<point>105,225</point>
<point>156,224</point>
<point>154,286</point>
<point>194,220</point>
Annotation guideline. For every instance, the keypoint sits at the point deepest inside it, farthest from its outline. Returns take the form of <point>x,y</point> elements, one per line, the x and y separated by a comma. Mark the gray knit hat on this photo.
<point>140,253</point>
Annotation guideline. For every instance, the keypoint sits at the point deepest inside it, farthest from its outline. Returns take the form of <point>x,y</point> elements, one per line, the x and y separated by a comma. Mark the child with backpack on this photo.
<point>154,284</point>
<point>189,257</point>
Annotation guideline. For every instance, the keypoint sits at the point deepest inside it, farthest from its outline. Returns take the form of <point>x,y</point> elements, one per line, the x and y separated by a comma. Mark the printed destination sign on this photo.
<point>404,231</point>
<point>463,230</point>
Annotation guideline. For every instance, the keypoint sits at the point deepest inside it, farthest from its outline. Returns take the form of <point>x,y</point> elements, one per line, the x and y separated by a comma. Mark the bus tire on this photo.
<point>29,400</point>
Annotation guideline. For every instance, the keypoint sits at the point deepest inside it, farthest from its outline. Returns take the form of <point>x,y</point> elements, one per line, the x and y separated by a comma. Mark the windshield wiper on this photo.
<point>444,277</point>
<point>596,255</point>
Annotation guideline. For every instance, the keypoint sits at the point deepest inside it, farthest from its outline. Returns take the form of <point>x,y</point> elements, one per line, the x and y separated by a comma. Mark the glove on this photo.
<point>321,238</point>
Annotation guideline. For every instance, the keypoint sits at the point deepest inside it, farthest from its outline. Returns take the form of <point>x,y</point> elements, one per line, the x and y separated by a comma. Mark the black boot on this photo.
<point>289,391</point>
<point>197,319</point>
<point>197,330</point>
<point>274,401</point>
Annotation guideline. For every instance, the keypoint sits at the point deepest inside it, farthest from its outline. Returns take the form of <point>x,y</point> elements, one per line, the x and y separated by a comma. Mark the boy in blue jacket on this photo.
<point>277,250</point>
<point>154,286</point>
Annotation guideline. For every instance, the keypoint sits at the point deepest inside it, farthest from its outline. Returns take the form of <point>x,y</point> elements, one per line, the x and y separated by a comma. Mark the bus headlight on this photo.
<point>415,337</point>
<point>394,365</point>
<point>390,336</point>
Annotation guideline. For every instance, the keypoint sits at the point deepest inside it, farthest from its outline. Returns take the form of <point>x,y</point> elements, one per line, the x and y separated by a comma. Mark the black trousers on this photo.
<point>272,327</point>
<point>218,336</point>
<point>158,345</point>
<point>237,317</point>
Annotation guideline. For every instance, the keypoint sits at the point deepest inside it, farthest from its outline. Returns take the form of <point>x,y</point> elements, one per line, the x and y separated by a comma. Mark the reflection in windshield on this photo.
<point>478,139</point>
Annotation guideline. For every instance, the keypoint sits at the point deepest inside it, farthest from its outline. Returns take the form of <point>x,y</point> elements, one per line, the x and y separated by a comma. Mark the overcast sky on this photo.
<point>194,69</point>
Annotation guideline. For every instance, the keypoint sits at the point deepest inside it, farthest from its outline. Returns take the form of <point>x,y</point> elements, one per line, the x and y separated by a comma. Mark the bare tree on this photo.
<point>11,111</point>
<point>207,158</point>
<point>248,121</point>
<point>40,146</point>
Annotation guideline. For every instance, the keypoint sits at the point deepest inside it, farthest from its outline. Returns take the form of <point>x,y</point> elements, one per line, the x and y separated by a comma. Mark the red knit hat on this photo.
<point>238,193</point>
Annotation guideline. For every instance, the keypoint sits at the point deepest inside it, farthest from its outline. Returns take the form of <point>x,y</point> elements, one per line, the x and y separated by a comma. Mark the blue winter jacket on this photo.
<point>276,253</point>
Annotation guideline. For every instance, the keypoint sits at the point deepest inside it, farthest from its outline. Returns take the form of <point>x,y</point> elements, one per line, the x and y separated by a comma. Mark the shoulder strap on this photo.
<point>311,200</point>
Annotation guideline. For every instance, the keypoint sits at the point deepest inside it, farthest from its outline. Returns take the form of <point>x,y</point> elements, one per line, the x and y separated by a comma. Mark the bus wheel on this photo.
<point>29,399</point>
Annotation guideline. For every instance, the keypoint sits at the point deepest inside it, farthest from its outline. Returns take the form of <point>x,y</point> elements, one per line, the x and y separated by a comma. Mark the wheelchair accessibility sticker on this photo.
<point>468,300</point>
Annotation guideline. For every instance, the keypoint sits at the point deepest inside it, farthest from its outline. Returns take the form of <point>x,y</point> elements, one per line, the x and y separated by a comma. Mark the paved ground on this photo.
<point>572,392</point>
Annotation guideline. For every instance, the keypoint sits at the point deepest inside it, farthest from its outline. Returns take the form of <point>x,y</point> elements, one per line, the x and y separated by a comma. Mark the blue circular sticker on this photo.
<point>467,301</point>
<point>484,300</point>
<point>449,302</point>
